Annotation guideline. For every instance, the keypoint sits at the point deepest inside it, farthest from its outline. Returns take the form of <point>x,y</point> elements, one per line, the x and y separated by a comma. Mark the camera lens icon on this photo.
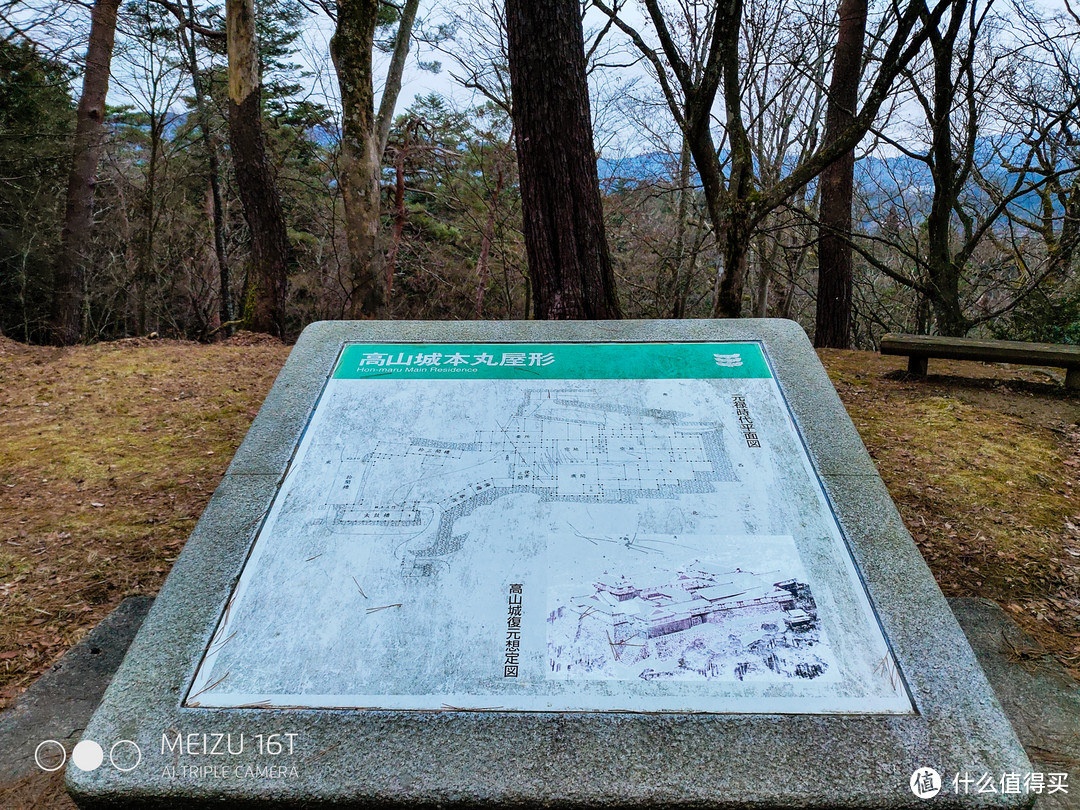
<point>50,755</point>
<point>125,755</point>
<point>87,755</point>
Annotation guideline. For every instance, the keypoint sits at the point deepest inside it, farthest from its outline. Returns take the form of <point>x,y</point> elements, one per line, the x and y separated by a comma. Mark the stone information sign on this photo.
<point>536,527</point>
<point>630,565</point>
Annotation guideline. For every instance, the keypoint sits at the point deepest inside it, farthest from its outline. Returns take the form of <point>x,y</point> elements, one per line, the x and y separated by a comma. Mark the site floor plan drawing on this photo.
<point>551,527</point>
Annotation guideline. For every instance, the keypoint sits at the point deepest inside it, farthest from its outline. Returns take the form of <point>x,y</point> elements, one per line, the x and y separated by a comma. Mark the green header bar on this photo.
<point>552,361</point>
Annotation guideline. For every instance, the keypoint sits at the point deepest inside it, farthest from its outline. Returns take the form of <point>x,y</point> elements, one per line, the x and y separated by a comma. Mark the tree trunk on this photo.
<point>70,271</point>
<point>766,257</point>
<point>1064,249</point>
<point>399,209</point>
<point>569,266</point>
<point>739,226</point>
<point>360,158</point>
<point>680,284</point>
<point>943,273</point>
<point>736,243</point>
<point>833,316</point>
<point>146,249</point>
<point>698,135</point>
<point>254,180</point>
<point>225,305</point>
<point>922,315</point>
<point>392,87</point>
<point>202,110</point>
<point>486,239</point>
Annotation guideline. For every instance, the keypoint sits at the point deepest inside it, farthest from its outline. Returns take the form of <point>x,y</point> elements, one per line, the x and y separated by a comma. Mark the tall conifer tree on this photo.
<point>569,266</point>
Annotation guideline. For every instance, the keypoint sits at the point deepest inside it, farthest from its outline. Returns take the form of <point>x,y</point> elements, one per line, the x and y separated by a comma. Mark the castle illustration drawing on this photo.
<point>703,623</point>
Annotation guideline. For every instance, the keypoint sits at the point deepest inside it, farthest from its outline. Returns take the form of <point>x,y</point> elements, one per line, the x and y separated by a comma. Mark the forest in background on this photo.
<point>714,128</point>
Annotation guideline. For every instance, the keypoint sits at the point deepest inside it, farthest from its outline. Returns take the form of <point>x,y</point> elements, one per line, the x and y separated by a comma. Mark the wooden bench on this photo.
<point>919,348</point>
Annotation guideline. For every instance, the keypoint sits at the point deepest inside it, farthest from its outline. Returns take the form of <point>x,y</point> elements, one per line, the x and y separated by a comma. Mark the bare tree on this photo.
<point>786,46</point>
<point>479,50</point>
<point>54,27</point>
<point>953,208</point>
<point>960,254</point>
<point>185,34</point>
<point>151,79</point>
<point>254,179</point>
<point>1045,92</point>
<point>70,271</point>
<point>736,207</point>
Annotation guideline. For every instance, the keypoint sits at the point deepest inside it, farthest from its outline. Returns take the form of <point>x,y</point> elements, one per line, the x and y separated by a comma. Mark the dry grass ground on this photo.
<point>109,453</point>
<point>983,463</point>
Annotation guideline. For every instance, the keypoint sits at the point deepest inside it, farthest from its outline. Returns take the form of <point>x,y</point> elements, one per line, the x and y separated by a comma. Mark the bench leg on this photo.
<point>1072,378</point>
<point>916,366</point>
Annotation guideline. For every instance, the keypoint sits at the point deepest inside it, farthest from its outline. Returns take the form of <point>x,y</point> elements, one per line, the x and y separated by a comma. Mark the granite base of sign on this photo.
<point>1039,696</point>
<point>620,564</point>
<point>58,705</point>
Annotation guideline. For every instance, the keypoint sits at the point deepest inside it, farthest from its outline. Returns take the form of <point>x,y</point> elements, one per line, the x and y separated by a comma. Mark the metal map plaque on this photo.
<point>551,527</point>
